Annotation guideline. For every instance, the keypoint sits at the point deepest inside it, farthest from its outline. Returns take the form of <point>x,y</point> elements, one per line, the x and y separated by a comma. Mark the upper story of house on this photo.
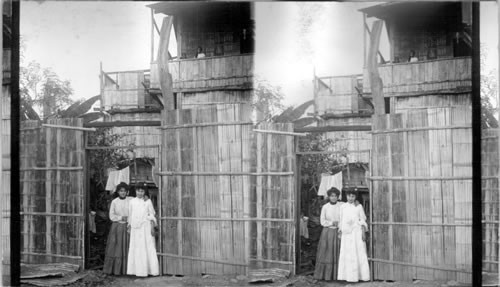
<point>214,50</point>
<point>430,47</point>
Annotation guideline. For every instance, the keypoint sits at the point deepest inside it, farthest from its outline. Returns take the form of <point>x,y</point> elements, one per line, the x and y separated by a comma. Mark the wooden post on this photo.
<point>162,59</point>
<point>315,92</point>
<point>498,131</point>
<point>178,26</point>
<point>375,80</point>
<point>364,40</point>
<point>298,199</point>
<point>152,36</point>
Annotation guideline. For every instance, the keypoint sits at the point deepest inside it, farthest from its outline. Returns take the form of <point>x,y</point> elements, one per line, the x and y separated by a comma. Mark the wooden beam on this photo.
<point>152,36</point>
<point>352,128</point>
<point>166,82</point>
<point>378,51</point>
<point>123,124</point>
<point>375,80</point>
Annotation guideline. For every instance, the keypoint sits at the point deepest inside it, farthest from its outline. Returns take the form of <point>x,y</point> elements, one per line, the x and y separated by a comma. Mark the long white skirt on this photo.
<point>353,261</point>
<point>142,259</point>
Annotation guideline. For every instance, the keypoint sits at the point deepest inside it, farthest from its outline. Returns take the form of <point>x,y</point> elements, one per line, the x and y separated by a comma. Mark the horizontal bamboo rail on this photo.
<point>51,214</point>
<point>68,168</point>
<point>332,152</point>
<point>202,259</point>
<point>271,261</point>
<point>324,129</point>
<point>390,131</point>
<point>206,125</point>
<point>227,219</point>
<point>124,124</point>
<point>210,173</point>
<point>69,127</point>
<point>280,133</point>
<point>399,178</point>
<point>51,255</point>
<point>121,147</point>
<point>420,223</point>
<point>419,265</point>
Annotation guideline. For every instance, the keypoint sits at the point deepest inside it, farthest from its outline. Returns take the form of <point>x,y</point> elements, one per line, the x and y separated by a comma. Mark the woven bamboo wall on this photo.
<point>198,99</point>
<point>421,194</point>
<point>138,135</point>
<point>125,90</point>
<point>52,192</point>
<point>338,96</point>
<point>208,73</point>
<point>217,215</point>
<point>438,75</point>
<point>5,132</point>
<point>489,173</point>
<point>351,141</point>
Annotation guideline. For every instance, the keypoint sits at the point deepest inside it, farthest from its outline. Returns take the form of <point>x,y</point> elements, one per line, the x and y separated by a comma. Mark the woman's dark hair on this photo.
<point>352,191</point>
<point>332,191</point>
<point>143,185</point>
<point>120,186</point>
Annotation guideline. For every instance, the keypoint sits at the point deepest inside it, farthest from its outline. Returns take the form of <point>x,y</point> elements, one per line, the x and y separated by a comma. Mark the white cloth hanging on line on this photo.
<point>117,176</point>
<point>328,181</point>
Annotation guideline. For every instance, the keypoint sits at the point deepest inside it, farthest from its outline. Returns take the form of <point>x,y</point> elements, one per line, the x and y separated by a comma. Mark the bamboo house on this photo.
<point>229,189</point>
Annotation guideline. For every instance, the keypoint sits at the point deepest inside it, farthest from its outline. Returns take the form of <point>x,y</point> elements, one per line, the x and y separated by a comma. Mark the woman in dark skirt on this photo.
<point>117,246</point>
<point>329,242</point>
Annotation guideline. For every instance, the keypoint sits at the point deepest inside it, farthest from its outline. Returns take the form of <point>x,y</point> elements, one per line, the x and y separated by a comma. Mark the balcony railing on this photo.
<point>208,73</point>
<point>425,76</point>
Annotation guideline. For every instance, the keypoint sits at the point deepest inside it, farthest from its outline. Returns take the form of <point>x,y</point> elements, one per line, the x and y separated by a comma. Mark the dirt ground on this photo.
<point>97,278</point>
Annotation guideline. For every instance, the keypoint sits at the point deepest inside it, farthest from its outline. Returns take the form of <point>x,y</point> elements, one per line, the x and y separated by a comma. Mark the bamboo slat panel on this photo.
<point>445,74</point>
<point>490,198</point>
<point>46,238</point>
<point>125,91</point>
<point>198,99</point>
<point>139,135</point>
<point>437,244</point>
<point>227,71</point>
<point>5,165</point>
<point>351,140</point>
<point>216,187</point>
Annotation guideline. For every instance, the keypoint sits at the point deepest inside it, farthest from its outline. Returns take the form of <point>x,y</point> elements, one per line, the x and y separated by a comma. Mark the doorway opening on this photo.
<point>351,169</point>
<point>106,167</point>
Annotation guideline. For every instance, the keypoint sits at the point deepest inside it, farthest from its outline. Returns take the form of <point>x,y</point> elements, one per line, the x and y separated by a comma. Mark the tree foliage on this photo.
<point>268,100</point>
<point>41,88</point>
<point>489,94</point>
<point>103,159</point>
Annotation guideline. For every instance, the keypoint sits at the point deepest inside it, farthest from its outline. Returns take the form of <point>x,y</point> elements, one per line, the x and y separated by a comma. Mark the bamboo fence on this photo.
<point>5,173</point>
<point>422,188</point>
<point>227,193</point>
<point>52,192</point>
<point>490,199</point>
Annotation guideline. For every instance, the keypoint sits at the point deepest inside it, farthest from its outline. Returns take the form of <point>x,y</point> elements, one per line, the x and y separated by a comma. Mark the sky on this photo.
<point>293,41</point>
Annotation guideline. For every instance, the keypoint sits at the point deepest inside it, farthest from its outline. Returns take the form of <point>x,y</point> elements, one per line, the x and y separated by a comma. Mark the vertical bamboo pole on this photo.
<point>297,208</point>
<point>498,132</point>
<point>160,206</point>
<point>48,192</point>
<point>259,198</point>
<point>370,168</point>
<point>364,40</point>
<point>179,193</point>
<point>152,35</point>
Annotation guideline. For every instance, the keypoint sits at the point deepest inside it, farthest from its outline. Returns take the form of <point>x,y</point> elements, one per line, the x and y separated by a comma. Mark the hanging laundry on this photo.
<point>328,181</point>
<point>117,176</point>
<point>303,227</point>
<point>92,226</point>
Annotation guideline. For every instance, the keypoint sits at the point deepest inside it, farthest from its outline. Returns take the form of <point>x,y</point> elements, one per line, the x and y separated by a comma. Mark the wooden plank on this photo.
<point>375,80</point>
<point>225,114</point>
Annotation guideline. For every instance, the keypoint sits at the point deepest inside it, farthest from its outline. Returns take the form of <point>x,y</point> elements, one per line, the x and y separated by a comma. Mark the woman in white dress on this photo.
<point>142,259</point>
<point>353,260</point>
